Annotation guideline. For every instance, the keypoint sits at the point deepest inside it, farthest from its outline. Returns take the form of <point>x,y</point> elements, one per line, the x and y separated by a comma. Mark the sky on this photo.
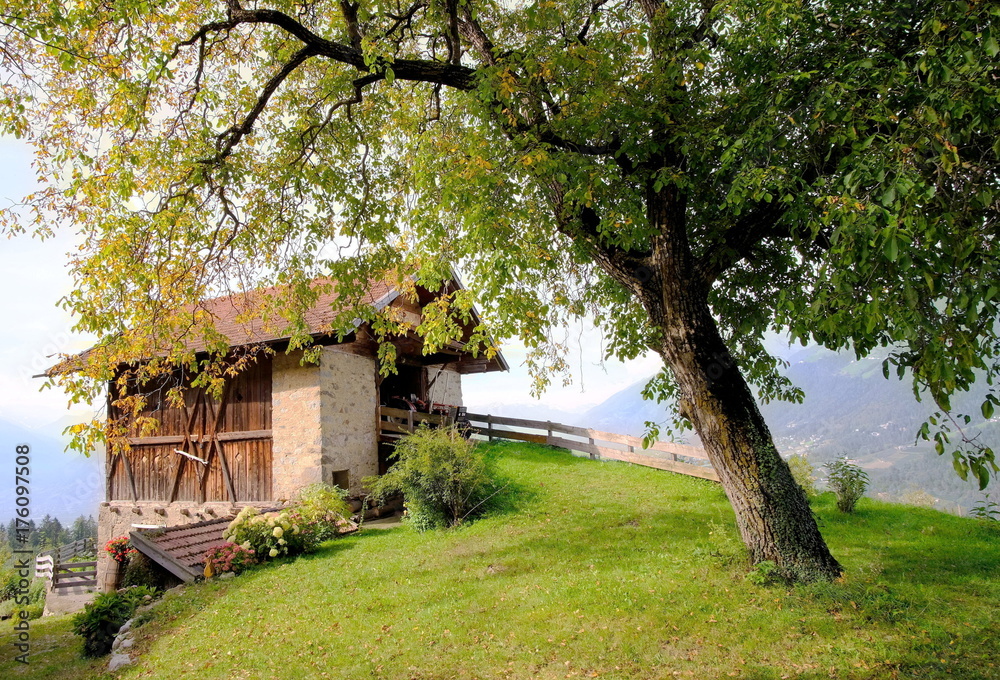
<point>34,276</point>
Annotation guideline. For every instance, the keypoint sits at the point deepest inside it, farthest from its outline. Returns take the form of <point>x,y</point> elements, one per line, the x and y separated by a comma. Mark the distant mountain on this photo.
<point>63,484</point>
<point>849,408</point>
<point>528,411</point>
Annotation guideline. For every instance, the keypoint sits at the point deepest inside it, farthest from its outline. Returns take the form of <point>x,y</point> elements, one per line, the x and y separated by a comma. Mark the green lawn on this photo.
<point>55,653</point>
<point>597,570</point>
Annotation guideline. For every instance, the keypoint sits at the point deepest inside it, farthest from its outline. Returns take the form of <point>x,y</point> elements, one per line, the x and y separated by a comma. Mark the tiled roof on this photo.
<point>237,318</point>
<point>181,549</point>
<point>225,312</point>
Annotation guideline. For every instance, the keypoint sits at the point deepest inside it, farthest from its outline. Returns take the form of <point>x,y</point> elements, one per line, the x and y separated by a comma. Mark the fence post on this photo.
<point>593,455</point>
<point>548,432</point>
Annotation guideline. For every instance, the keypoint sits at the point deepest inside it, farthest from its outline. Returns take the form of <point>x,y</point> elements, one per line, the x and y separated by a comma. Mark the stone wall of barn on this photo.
<point>349,402</point>
<point>296,425</point>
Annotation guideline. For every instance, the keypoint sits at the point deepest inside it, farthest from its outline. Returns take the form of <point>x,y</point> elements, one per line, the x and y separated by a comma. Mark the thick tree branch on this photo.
<point>582,224</point>
<point>419,70</point>
<point>471,30</point>
<point>740,240</point>
<point>350,12</point>
<point>228,140</point>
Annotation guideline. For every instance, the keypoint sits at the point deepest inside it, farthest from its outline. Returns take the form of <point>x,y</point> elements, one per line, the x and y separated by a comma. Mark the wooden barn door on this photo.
<point>227,442</point>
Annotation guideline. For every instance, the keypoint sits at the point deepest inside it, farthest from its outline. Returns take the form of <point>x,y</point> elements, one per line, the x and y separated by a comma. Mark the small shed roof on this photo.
<point>181,549</point>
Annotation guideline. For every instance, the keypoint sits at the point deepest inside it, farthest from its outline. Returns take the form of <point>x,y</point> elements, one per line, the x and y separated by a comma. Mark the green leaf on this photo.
<point>983,474</point>
<point>961,468</point>
<point>892,249</point>
<point>987,409</point>
<point>991,46</point>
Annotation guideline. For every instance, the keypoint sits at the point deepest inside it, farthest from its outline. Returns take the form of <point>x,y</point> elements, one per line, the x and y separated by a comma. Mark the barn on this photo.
<point>281,424</point>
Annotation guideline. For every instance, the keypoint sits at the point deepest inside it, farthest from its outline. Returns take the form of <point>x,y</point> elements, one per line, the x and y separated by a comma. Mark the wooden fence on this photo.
<point>661,455</point>
<point>395,422</point>
<point>54,565</point>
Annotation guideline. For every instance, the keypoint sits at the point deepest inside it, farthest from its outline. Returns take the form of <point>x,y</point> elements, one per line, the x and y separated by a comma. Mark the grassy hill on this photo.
<point>849,408</point>
<point>590,570</point>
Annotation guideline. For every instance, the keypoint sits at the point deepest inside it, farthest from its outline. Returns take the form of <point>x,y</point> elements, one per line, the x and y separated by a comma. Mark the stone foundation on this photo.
<point>119,518</point>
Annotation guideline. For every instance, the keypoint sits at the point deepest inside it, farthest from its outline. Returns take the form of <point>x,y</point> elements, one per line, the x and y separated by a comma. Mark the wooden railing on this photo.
<point>396,421</point>
<point>660,455</point>
<point>74,574</point>
<point>679,458</point>
<point>54,565</point>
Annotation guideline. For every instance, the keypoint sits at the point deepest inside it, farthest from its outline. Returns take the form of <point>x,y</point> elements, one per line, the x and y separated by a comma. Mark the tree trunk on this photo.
<point>772,512</point>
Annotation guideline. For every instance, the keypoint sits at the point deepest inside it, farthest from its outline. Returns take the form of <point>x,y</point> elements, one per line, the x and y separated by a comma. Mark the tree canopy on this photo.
<point>692,173</point>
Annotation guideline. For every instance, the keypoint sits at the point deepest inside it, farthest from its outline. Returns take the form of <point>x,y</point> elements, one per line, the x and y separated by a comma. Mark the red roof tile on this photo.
<point>226,312</point>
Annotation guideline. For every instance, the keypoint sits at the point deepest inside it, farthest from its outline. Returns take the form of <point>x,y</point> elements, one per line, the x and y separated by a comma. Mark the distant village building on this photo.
<point>280,425</point>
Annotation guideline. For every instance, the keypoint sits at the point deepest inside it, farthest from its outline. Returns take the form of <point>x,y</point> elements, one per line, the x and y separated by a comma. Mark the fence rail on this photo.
<point>661,455</point>
<point>546,432</point>
<point>74,574</point>
<point>54,565</point>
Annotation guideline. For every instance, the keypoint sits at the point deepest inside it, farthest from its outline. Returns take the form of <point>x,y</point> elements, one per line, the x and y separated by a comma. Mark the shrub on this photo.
<point>323,510</point>
<point>9,580</point>
<point>986,510</point>
<point>765,574</point>
<point>229,557</point>
<point>274,534</point>
<point>100,620</point>
<point>443,477</point>
<point>847,481</point>
<point>804,473</point>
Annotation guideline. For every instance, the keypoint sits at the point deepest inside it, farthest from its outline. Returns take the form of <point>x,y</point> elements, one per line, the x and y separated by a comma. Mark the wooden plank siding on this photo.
<point>233,434</point>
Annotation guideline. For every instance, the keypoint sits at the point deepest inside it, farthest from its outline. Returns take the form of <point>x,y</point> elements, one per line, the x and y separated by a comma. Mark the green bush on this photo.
<point>847,481</point>
<point>9,579</point>
<point>323,510</point>
<point>100,620</point>
<point>804,473</point>
<point>444,478</point>
<point>986,510</point>
<point>316,516</point>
